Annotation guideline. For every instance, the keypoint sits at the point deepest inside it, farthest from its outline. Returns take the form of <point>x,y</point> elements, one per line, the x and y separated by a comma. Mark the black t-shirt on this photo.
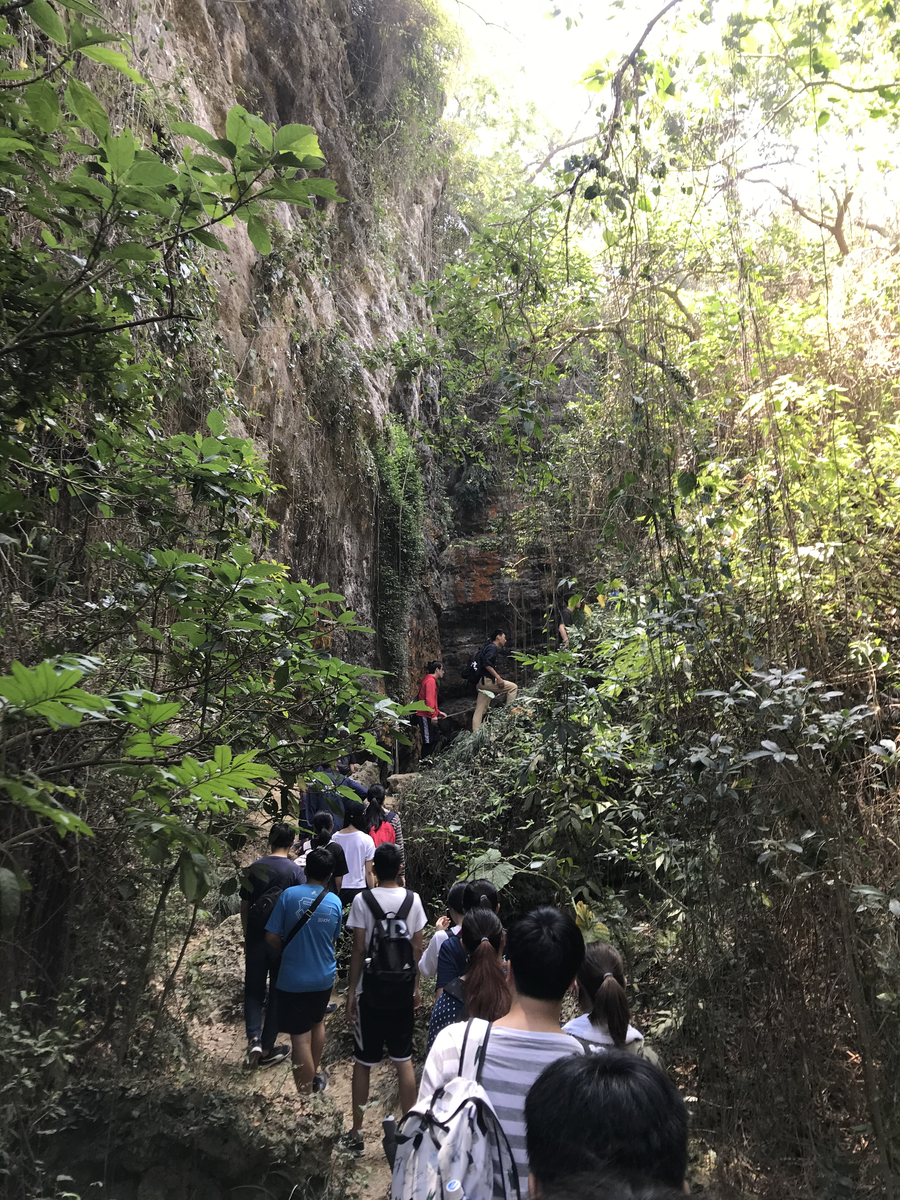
<point>262,874</point>
<point>489,657</point>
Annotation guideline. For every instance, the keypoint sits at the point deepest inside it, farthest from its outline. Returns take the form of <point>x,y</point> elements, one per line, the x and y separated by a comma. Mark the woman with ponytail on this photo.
<point>481,991</point>
<point>323,829</point>
<point>380,828</point>
<point>606,1018</point>
<point>480,893</point>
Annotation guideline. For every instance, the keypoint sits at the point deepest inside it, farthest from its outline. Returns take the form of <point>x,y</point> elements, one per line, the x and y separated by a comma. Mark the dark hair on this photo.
<point>601,990</point>
<point>607,1187</point>
<point>375,811</point>
<point>323,824</point>
<point>281,836</point>
<point>456,897</point>
<point>355,814</point>
<point>613,1112</point>
<point>433,666</point>
<point>319,866</point>
<point>480,893</point>
<point>546,949</point>
<point>388,861</point>
<point>496,634</point>
<point>487,995</point>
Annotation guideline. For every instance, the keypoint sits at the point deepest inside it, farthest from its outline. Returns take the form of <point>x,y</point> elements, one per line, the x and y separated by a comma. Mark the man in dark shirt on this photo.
<point>274,870</point>
<point>320,798</point>
<point>491,683</point>
<point>572,616</point>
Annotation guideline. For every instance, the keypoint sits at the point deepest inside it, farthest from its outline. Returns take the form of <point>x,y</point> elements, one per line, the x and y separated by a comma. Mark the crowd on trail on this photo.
<point>511,1102</point>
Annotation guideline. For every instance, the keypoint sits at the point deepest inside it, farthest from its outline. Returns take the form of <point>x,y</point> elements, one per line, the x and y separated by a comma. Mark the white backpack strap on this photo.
<point>473,1049</point>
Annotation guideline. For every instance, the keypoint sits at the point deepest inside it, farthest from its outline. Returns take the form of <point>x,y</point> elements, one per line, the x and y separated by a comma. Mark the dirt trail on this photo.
<point>218,1034</point>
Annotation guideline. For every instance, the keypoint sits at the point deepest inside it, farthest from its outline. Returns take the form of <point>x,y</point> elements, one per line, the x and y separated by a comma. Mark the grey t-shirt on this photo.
<point>515,1058</point>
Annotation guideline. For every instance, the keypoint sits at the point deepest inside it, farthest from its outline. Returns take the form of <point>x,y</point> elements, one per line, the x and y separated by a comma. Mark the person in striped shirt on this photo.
<point>544,950</point>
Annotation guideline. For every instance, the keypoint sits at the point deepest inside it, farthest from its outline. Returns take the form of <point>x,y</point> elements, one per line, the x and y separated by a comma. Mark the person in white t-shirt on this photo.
<point>447,926</point>
<point>544,949</point>
<point>376,1024</point>
<point>359,851</point>
<point>605,1017</point>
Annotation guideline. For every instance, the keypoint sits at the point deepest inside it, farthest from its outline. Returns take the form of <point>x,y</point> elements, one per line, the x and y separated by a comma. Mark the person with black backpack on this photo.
<point>387,924</point>
<point>488,681</point>
<point>263,882</point>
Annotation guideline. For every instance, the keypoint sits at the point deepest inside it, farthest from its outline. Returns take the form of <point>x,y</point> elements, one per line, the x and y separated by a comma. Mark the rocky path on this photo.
<point>213,994</point>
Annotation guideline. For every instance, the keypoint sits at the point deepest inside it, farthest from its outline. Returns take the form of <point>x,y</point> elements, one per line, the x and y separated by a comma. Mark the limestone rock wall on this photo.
<point>302,327</point>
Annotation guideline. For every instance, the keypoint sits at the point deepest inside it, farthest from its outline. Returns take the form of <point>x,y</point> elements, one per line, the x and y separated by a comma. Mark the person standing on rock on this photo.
<point>307,970</point>
<point>491,683</point>
<point>427,719</point>
<point>264,881</point>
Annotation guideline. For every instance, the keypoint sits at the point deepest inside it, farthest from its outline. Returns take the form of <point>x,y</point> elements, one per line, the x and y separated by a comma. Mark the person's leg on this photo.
<point>406,1082</point>
<point>270,1028</point>
<point>318,1045</point>
<point>511,690</point>
<point>359,1094</point>
<point>303,1061</point>
<point>481,706</point>
<point>255,972</point>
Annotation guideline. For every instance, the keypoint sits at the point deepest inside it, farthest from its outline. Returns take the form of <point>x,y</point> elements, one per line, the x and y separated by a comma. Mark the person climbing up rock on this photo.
<point>491,682</point>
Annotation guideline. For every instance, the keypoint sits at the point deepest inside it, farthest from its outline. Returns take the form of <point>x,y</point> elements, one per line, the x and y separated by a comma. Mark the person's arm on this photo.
<point>417,944</point>
<point>245,915</point>
<point>350,782</point>
<point>338,882</point>
<point>273,940</point>
<point>370,875</point>
<point>564,634</point>
<point>357,956</point>
<point>492,672</point>
<point>428,961</point>
<point>431,698</point>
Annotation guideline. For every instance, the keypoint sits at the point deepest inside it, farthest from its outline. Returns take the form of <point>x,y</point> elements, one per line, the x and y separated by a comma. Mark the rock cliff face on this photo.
<point>304,326</point>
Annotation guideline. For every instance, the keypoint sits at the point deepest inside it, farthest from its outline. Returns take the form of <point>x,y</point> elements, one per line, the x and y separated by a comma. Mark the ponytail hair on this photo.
<point>487,995</point>
<point>601,990</point>
<point>375,811</point>
<point>481,893</point>
<point>323,824</point>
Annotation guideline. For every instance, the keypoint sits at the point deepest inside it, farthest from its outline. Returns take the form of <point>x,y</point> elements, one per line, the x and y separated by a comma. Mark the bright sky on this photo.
<point>540,60</point>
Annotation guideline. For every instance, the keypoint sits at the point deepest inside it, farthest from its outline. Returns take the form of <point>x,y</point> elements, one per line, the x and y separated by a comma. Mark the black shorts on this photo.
<point>299,1011</point>
<point>377,1027</point>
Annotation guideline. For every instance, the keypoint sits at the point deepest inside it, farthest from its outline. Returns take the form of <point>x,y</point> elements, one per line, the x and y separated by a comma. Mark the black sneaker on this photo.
<point>254,1053</point>
<point>276,1055</point>
<point>320,1081</point>
<point>330,1008</point>
<point>353,1143</point>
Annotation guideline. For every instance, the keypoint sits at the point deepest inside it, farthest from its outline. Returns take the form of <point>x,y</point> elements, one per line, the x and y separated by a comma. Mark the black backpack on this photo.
<point>263,907</point>
<point>389,976</point>
<point>472,669</point>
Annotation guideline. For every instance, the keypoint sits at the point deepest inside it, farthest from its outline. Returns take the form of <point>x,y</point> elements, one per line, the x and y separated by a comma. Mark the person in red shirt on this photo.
<point>428,720</point>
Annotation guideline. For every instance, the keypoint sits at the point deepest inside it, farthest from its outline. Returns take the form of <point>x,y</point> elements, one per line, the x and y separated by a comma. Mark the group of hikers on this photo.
<point>483,672</point>
<point>510,1101</point>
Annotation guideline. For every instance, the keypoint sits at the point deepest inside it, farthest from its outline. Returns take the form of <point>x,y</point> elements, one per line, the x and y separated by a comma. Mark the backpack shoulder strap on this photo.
<point>471,1061</point>
<point>403,910</point>
<point>372,904</point>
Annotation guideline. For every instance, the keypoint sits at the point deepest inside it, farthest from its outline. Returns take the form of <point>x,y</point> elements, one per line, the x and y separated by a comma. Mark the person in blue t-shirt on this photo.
<point>306,974</point>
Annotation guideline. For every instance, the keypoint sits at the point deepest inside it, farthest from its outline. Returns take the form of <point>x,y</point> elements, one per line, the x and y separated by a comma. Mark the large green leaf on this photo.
<point>81,101</point>
<point>46,18</point>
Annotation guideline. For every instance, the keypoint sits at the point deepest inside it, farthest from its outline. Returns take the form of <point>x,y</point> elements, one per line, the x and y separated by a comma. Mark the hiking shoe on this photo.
<point>254,1053</point>
<point>320,1081</point>
<point>330,1008</point>
<point>352,1143</point>
<point>276,1055</point>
